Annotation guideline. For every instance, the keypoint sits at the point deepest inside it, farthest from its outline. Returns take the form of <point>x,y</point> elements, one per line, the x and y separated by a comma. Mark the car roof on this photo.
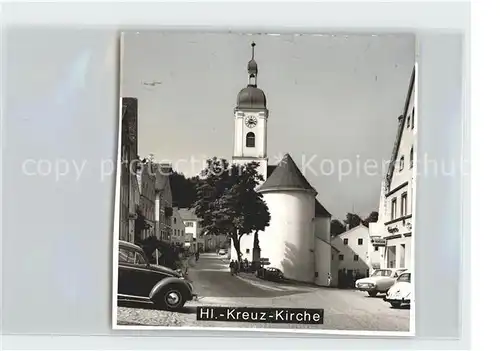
<point>129,245</point>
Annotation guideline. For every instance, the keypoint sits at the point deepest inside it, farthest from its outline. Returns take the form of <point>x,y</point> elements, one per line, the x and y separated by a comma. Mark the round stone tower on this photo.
<point>288,242</point>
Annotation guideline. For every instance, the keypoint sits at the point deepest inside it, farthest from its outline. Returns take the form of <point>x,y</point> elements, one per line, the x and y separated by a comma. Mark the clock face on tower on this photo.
<point>250,121</point>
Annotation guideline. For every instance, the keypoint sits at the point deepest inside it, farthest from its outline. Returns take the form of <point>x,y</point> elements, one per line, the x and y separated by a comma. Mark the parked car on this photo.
<point>379,282</point>
<point>222,252</point>
<point>142,281</point>
<point>400,293</point>
<point>270,273</point>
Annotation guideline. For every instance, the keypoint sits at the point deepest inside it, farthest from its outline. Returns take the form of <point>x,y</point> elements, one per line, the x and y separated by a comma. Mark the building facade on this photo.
<point>212,242</point>
<point>193,230</point>
<point>128,157</point>
<point>323,249</point>
<point>178,228</point>
<point>355,251</point>
<point>147,180</point>
<point>163,202</point>
<point>134,202</point>
<point>394,228</point>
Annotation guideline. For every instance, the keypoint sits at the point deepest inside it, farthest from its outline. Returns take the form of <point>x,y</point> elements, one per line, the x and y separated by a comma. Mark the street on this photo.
<point>343,309</point>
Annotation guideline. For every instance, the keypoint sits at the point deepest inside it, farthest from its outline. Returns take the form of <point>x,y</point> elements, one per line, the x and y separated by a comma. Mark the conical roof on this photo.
<point>286,177</point>
<point>320,210</point>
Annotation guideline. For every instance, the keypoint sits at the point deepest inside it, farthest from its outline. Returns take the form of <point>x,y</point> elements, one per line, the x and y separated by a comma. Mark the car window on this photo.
<point>381,273</point>
<point>139,259</point>
<point>126,256</point>
<point>131,256</point>
<point>405,277</point>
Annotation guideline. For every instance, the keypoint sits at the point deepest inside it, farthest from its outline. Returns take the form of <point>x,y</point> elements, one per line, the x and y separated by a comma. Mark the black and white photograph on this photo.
<point>266,182</point>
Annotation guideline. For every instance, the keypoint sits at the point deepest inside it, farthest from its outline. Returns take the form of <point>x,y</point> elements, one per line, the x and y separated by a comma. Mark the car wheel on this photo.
<point>396,304</point>
<point>171,298</point>
<point>372,293</point>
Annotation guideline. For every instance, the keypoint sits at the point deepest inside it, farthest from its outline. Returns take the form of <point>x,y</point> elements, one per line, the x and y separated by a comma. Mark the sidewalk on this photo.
<point>283,285</point>
<point>273,285</point>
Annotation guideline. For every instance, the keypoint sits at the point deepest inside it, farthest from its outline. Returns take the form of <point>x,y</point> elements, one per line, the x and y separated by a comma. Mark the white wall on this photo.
<point>397,229</point>
<point>241,130</point>
<point>287,240</point>
<point>178,228</point>
<point>398,245</point>
<point>157,207</point>
<point>353,248</point>
<point>322,228</point>
<point>322,249</point>
<point>246,247</point>
<point>322,262</point>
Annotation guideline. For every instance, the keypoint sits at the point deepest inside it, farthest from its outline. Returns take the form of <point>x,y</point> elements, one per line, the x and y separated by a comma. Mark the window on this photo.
<point>175,220</point>
<point>401,163</point>
<point>413,118</point>
<point>356,258</point>
<point>189,224</point>
<point>405,277</point>
<point>408,121</point>
<point>376,248</point>
<point>381,273</point>
<point>402,256</point>
<point>333,257</point>
<point>250,142</point>
<point>130,256</point>
<point>360,241</point>
<point>411,157</point>
<point>394,205</point>
<point>247,251</point>
<point>391,257</point>
<point>341,257</point>
<point>346,241</point>
<point>404,209</point>
<point>316,274</point>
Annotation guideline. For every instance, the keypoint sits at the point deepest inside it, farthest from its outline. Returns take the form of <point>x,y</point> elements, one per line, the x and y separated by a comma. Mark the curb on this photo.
<point>262,286</point>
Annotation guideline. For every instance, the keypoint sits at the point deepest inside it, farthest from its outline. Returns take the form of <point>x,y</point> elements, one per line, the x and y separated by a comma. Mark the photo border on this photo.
<point>116,226</point>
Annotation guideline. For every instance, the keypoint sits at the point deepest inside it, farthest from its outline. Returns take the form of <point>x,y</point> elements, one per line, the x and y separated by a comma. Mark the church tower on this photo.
<point>250,122</point>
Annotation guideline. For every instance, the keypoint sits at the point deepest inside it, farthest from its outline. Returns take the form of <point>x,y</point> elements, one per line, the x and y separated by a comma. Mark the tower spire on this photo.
<point>252,68</point>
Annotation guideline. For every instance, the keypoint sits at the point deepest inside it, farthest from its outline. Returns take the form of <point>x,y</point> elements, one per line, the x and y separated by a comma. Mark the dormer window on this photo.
<point>401,163</point>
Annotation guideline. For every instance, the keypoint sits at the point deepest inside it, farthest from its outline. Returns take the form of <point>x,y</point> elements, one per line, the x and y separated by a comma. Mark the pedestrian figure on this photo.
<point>197,255</point>
<point>232,267</point>
<point>329,279</point>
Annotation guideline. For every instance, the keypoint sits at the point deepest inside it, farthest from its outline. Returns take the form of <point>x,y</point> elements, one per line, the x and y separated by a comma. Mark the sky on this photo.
<point>333,101</point>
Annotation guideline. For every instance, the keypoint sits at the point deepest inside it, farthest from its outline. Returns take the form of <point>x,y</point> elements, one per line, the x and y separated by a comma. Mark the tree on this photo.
<point>227,202</point>
<point>373,217</point>
<point>337,227</point>
<point>352,220</point>
<point>170,254</point>
<point>183,190</point>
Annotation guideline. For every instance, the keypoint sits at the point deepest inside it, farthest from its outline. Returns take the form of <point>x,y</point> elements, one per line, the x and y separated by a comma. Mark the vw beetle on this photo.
<point>142,281</point>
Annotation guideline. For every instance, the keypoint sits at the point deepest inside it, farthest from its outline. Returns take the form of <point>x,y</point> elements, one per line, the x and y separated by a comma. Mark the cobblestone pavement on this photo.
<point>343,309</point>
